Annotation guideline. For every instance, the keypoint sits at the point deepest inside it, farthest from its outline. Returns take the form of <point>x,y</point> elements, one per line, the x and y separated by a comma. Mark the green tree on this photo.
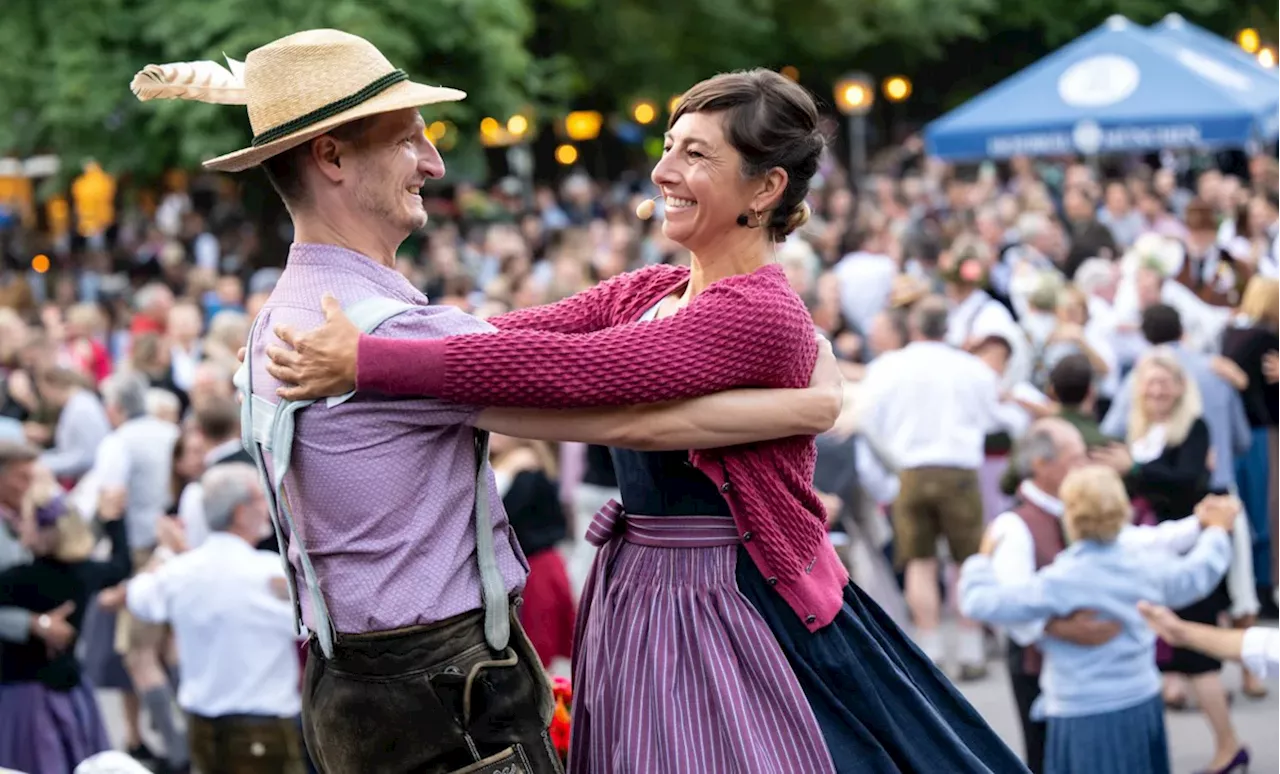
<point>65,87</point>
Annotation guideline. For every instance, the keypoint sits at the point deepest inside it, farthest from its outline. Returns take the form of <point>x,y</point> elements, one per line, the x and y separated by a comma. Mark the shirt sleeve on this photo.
<point>1176,537</point>
<point>984,598</point>
<point>111,463</point>
<point>1189,578</point>
<point>146,597</point>
<point>740,332</point>
<point>1014,563</point>
<point>1260,652</point>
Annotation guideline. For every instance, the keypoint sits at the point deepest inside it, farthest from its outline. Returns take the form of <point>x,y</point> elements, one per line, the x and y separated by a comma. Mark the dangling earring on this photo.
<point>746,222</point>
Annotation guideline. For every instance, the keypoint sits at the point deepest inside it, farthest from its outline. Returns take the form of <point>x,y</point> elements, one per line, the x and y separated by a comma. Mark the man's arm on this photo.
<point>146,598</point>
<point>713,421</point>
<point>83,436</point>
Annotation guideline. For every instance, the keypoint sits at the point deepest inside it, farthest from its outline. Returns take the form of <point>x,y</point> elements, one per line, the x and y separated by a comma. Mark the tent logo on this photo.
<point>1087,137</point>
<point>1099,81</point>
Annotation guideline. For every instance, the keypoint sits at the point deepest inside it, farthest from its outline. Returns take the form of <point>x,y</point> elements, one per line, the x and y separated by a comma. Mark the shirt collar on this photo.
<point>333,258</point>
<point>1042,500</point>
<point>222,451</point>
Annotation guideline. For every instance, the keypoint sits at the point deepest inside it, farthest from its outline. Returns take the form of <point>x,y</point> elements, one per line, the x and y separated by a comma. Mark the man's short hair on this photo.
<point>284,170</point>
<point>1071,379</point>
<point>1161,325</point>
<point>127,391</point>
<point>16,451</point>
<point>218,418</point>
<point>929,318</point>
<point>225,488</point>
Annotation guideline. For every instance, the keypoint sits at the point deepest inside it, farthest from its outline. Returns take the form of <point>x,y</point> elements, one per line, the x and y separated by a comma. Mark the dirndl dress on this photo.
<point>687,660</point>
<point>48,730</point>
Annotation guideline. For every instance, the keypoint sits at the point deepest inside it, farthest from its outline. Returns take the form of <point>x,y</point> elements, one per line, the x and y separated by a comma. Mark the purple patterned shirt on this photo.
<point>382,489</point>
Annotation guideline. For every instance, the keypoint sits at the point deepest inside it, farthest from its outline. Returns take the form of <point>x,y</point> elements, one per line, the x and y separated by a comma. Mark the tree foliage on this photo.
<point>67,89</point>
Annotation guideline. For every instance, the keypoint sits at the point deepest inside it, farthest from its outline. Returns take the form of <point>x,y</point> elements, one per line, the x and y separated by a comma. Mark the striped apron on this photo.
<point>674,670</point>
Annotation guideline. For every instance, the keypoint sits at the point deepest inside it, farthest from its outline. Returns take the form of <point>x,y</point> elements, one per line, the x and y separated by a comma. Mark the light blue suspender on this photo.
<point>269,426</point>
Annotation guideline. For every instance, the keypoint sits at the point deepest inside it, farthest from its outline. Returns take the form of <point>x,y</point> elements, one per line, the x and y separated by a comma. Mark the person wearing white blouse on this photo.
<point>1257,647</point>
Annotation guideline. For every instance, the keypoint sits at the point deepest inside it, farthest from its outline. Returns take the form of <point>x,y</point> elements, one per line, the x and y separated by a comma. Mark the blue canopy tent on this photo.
<point>1175,28</point>
<point>1117,89</point>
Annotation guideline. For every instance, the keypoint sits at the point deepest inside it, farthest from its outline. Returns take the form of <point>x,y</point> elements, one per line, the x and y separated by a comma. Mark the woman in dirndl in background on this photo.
<point>1103,704</point>
<point>525,472</point>
<point>49,717</point>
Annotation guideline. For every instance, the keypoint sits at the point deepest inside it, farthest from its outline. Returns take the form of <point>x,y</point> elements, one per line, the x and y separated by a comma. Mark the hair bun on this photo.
<point>798,216</point>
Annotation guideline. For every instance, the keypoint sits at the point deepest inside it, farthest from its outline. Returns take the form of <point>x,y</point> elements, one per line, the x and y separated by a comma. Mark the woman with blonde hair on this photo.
<point>1165,463</point>
<point>1102,704</point>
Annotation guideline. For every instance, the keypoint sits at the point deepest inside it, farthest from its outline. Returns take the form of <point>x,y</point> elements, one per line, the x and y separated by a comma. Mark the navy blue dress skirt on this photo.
<point>883,705</point>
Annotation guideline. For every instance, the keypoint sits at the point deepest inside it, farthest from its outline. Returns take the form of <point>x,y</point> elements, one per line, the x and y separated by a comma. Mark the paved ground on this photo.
<point>1256,722</point>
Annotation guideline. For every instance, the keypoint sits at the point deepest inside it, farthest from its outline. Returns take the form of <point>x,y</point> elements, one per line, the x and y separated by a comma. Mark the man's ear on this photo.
<point>326,152</point>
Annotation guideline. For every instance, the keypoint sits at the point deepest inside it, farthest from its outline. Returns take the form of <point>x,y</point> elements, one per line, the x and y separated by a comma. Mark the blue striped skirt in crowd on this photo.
<point>1127,741</point>
<point>686,660</point>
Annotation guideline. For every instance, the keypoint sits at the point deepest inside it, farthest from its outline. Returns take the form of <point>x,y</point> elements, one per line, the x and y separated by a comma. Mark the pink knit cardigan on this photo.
<point>589,350</point>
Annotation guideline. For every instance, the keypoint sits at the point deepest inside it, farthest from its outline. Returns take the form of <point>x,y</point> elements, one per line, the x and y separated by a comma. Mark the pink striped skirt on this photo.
<point>674,670</point>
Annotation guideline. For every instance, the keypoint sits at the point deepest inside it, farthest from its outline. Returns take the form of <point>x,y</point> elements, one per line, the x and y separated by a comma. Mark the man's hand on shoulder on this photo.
<point>317,363</point>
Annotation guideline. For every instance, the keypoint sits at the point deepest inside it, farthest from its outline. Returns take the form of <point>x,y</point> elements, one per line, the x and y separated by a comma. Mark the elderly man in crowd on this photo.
<point>138,456</point>
<point>228,605</point>
<point>1030,536</point>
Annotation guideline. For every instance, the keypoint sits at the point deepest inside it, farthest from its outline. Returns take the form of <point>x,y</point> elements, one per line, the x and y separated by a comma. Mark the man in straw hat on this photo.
<point>415,663</point>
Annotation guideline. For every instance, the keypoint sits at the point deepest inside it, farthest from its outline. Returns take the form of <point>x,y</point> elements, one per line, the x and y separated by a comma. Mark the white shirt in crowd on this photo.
<point>138,455</point>
<point>865,280</point>
<point>1260,651</point>
<point>82,424</point>
<point>1014,559</point>
<point>930,405</point>
<point>980,316</point>
<point>237,652</point>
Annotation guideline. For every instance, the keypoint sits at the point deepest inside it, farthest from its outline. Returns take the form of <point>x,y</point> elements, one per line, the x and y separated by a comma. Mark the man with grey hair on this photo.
<point>1030,536</point>
<point>138,456</point>
<point>931,413</point>
<point>228,605</point>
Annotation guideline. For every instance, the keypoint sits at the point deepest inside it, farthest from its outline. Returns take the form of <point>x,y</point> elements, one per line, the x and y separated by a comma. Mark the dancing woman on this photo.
<point>719,631</point>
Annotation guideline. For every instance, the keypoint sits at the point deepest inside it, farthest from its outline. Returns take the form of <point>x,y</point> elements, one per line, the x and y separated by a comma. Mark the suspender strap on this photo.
<point>270,427</point>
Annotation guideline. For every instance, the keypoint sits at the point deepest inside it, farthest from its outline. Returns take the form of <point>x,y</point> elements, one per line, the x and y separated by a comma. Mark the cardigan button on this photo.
<point>746,537</point>
<point>725,487</point>
<point>810,618</point>
<point>772,580</point>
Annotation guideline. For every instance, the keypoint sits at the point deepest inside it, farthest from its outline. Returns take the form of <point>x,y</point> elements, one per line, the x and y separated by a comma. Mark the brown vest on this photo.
<point>1049,541</point>
<point>1210,293</point>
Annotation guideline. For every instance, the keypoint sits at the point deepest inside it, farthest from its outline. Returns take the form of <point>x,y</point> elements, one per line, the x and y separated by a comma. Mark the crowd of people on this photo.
<point>1030,344</point>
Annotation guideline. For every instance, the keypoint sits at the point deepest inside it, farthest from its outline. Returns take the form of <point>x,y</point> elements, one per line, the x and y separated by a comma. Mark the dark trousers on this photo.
<point>1026,689</point>
<point>429,700</point>
<point>245,744</point>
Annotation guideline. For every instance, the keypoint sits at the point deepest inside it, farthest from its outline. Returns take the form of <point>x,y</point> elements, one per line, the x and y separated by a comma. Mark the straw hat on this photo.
<point>295,88</point>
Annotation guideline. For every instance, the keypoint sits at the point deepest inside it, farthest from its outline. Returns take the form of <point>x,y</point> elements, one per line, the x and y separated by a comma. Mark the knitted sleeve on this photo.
<point>741,332</point>
<point>590,310</point>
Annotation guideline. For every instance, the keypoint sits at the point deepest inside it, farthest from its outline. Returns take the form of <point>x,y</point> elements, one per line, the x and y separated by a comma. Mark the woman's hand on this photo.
<point>321,362</point>
<point>1218,511</point>
<point>112,599</point>
<point>1116,456</point>
<point>171,534</point>
<point>1164,622</point>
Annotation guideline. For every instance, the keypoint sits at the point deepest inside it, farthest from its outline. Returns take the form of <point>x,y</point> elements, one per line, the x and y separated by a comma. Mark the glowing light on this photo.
<point>673,103</point>
<point>566,154</point>
<point>644,112</point>
<point>790,72</point>
<point>489,126</point>
<point>1249,40</point>
<point>437,130</point>
<point>582,125</point>
<point>1266,57</point>
<point>897,88</point>
<point>40,264</point>
<point>517,124</point>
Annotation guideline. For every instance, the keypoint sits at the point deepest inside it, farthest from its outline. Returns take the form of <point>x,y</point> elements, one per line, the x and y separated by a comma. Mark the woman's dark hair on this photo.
<point>772,122</point>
